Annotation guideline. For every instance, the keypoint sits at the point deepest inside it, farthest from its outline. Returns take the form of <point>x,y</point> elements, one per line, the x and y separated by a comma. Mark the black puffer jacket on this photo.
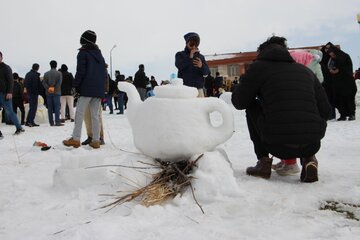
<point>294,103</point>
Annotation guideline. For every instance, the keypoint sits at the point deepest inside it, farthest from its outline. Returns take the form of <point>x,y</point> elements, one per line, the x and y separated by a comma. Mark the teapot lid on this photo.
<point>175,89</point>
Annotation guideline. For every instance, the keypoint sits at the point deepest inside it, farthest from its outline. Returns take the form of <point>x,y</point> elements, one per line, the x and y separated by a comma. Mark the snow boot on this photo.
<point>309,171</point>
<point>72,143</point>
<point>87,141</point>
<point>262,168</point>
<point>95,144</point>
<point>288,169</point>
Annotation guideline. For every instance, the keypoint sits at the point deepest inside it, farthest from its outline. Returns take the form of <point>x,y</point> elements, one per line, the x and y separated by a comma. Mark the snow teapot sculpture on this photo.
<point>175,124</point>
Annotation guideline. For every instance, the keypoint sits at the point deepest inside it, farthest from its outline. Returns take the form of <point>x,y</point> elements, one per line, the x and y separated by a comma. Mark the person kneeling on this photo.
<point>286,110</point>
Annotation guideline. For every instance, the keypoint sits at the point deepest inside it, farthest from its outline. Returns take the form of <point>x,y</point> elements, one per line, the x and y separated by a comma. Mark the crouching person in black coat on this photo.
<point>286,110</point>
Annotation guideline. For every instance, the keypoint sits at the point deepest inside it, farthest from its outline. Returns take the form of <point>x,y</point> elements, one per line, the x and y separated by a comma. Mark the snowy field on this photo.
<point>48,195</point>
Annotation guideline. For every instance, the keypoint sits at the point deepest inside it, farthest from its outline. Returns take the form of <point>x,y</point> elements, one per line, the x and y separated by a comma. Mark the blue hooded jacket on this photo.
<point>191,75</point>
<point>90,72</point>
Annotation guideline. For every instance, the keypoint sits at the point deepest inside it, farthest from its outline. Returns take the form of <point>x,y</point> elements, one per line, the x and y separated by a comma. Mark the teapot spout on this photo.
<point>132,93</point>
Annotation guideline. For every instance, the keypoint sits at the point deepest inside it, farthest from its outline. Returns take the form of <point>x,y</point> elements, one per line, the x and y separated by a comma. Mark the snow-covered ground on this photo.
<point>52,195</point>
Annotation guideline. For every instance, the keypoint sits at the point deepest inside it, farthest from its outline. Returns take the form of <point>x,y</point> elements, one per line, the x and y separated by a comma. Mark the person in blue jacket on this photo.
<point>89,82</point>
<point>191,65</point>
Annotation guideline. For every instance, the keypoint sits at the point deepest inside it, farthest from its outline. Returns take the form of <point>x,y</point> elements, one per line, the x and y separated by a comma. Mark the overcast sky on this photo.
<point>151,32</point>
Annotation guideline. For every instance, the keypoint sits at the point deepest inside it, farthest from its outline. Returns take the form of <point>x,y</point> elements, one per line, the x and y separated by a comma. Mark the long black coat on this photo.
<point>66,84</point>
<point>344,82</point>
<point>294,104</point>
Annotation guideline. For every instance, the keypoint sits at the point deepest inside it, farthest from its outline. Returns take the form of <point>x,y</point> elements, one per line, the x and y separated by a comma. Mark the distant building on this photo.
<point>231,65</point>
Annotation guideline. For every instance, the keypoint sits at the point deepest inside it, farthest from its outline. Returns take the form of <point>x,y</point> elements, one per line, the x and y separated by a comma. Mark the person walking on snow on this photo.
<point>89,82</point>
<point>6,93</point>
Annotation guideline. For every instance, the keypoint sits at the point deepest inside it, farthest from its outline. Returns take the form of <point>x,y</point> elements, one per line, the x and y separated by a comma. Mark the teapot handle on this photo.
<point>226,129</point>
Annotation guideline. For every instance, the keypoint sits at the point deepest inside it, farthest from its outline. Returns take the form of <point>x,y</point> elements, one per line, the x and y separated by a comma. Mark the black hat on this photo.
<point>88,37</point>
<point>192,35</point>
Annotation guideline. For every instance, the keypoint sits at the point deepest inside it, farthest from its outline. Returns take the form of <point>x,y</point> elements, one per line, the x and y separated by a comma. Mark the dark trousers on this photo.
<point>282,151</point>
<point>346,105</point>
<point>116,102</point>
<point>330,92</point>
<point>33,104</point>
<point>18,103</point>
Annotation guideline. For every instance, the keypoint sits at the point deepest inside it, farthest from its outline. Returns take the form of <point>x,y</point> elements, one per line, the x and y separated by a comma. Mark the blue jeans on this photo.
<point>121,102</point>
<point>109,102</point>
<point>53,104</point>
<point>33,104</point>
<point>7,104</point>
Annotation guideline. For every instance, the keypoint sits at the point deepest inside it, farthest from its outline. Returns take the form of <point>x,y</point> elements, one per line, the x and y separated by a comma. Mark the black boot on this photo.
<point>341,118</point>
<point>87,141</point>
<point>309,171</point>
<point>262,168</point>
<point>351,118</point>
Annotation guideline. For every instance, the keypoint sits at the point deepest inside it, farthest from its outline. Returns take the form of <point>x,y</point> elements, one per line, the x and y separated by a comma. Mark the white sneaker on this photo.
<point>288,169</point>
<point>278,165</point>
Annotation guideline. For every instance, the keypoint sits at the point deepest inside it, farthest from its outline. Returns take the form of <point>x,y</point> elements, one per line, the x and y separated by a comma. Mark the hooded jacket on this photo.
<point>90,72</point>
<point>66,84</point>
<point>191,75</point>
<point>344,82</point>
<point>328,78</point>
<point>294,104</point>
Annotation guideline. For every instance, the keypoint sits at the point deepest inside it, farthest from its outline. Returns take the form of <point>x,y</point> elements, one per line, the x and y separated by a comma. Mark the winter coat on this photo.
<point>153,83</point>
<point>209,82</point>
<point>32,83</point>
<point>90,72</point>
<point>315,64</point>
<point>328,78</point>
<point>140,79</point>
<point>18,92</point>
<point>6,79</point>
<point>310,59</point>
<point>67,81</point>
<point>112,86</point>
<point>344,82</point>
<point>218,82</point>
<point>191,75</point>
<point>294,104</point>
<point>52,78</point>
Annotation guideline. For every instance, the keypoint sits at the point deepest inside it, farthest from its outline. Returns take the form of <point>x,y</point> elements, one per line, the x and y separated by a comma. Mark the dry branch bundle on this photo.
<point>172,179</point>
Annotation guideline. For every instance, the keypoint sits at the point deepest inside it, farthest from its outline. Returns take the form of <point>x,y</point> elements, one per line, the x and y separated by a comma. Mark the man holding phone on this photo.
<point>192,67</point>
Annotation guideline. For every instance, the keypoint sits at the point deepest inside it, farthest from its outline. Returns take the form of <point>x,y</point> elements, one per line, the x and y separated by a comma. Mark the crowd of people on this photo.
<point>91,88</point>
<point>288,96</point>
